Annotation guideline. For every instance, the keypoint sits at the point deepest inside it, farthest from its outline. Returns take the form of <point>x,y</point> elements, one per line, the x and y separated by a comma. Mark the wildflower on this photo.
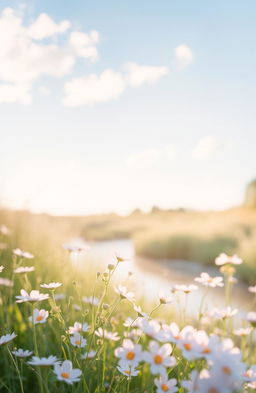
<point>6,282</point>
<point>128,371</point>
<point>78,327</point>
<point>223,313</point>
<point>121,259</point>
<point>251,317</point>
<point>164,384</point>
<point>94,301</point>
<point>122,291</point>
<point>22,254</point>
<point>164,299</point>
<point>252,289</point>
<point>88,355</point>
<point>188,343</point>
<point>21,353</point>
<point>25,269</point>
<point>59,296</point>
<point>208,281</point>
<point>130,353</point>
<point>51,285</point>
<point>228,365</point>
<point>77,340</point>
<point>4,230</point>
<point>152,329</point>
<point>39,316</point>
<point>1,268</point>
<point>7,338</point>
<point>243,331</point>
<point>34,296</point>
<point>171,332</point>
<point>107,335</point>
<point>140,313</point>
<point>76,247</point>
<point>159,357</point>
<point>66,372</point>
<point>185,288</point>
<point>191,385</point>
<point>133,334</point>
<point>224,259</point>
<point>36,361</point>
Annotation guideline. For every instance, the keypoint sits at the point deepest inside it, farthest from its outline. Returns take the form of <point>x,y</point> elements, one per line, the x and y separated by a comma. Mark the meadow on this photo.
<point>64,328</point>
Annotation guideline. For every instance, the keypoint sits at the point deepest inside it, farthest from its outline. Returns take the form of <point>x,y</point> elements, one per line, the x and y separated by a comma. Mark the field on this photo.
<point>112,344</point>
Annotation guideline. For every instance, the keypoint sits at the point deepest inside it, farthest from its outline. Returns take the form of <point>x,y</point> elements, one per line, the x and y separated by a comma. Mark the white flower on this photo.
<point>243,331</point>
<point>124,294</point>
<point>152,329</point>
<point>78,327</point>
<point>171,332</point>
<point>36,361</point>
<point>77,340</point>
<point>159,357</point>
<point>251,317</point>
<point>191,385</point>
<point>129,354</point>
<point>66,372</point>
<point>1,268</point>
<point>164,384</point>
<point>51,285</point>
<point>224,259</point>
<point>252,289</point>
<point>208,281</point>
<point>25,269</point>
<point>88,355</point>
<point>164,299</point>
<point>107,335</point>
<point>75,247</point>
<point>188,343</point>
<point>5,282</point>
<point>223,313</point>
<point>139,311</point>
<point>21,353</point>
<point>59,296</point>
<point>94,301</point>
<point>127,370</point>
<point>34,296</point>
<point>4,230</point>
<point>7,338</point>
<point>185,288</point>
<point>22,254</point>
<point>39,316</point>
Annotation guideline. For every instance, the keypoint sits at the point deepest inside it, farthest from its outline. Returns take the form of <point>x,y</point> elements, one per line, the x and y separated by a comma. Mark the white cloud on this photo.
<point>19,93</point>
<point>183,55</point>
<point>109,85</point>
<point>44,27</point>
<point>144,159</point>
<point>45,91</point>
<point>94,88</point>
<point>138,74</point>
<point>208,146</point>
<point>24,60</point>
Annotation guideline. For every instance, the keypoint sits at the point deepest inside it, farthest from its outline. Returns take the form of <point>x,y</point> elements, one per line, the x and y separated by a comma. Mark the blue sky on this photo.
<point>180,134</point>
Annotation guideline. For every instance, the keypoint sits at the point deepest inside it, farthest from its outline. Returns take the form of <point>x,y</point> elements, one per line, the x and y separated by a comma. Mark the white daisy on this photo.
<point>127,370</point>
<point>102,333</point>
<point>66,372</point>
<point>78,327</point>
<point>164,299</point>
<point>51,285</point>
<point>164,384</point>
<point>39,316</point>
<point>24,269</point>
<point>7,338</point>
<point>36,361</point>
<point>185,288</point>
<point>5,282</point>
<point>34,296</point>
<point>159,357</point>
<point>208,281</point>
<point>88,355</point>
<point>129,353</point>
<point>224,259</point>
<point>22,254</point>
<point>123,292</point>
<point>77,340</point>
<point>21,353</point>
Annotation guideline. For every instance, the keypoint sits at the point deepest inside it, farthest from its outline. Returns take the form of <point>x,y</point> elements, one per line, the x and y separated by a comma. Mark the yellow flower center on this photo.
<point>65,375</point>
<point>226,370</point>
<point>130,355</point>
<point>158,359</point>
<point>39,318</point>
<point>164,387</point>
<point>128,372</point>
<point>187,346</point>
<point>207,350</point>
<point>78,342</point>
